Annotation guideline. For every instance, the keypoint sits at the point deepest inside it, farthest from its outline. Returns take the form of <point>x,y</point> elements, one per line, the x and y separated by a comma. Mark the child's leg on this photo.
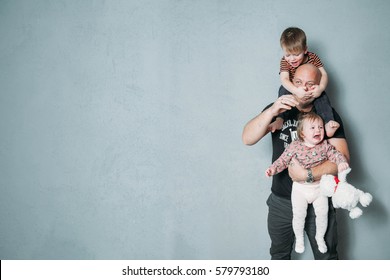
<point>324,109</point>
<point>299,206</point>
<point>278,123</point>
<point>283,91</point>
<point>321,206</point>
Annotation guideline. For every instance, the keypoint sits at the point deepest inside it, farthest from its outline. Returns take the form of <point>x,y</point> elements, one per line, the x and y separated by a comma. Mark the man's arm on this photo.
<point>257,128</point>
<point>299,173</point>
<point>341,145</point>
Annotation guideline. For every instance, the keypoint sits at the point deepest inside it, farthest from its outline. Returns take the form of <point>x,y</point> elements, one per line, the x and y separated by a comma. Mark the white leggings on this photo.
<point>301,196</point>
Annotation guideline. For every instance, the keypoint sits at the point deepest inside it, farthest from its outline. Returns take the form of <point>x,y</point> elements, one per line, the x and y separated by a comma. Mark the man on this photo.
<point>279,201</point>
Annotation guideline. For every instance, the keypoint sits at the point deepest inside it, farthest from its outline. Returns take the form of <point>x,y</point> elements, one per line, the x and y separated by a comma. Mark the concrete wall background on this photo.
<point>121,124</point>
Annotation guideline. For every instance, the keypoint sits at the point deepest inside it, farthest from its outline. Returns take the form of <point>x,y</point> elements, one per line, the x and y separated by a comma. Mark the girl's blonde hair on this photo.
<point>311,116</point>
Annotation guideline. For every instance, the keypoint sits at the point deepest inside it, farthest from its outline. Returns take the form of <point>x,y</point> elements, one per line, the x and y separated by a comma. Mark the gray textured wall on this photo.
<point>121,124</point>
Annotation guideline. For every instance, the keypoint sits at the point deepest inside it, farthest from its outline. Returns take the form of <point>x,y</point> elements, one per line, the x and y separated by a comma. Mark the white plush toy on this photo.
<point>343,194</point>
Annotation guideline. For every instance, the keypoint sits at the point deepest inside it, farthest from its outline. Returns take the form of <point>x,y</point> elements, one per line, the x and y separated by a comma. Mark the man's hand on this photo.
<point>283,104</point>
<point>257,127</point>
<point>297,172</point>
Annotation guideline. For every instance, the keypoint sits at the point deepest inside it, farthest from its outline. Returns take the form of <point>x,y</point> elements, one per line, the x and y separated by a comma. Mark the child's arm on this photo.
<point>336,157</point>
<point>270,171</point>
<point>287,84</point>
<point>317,90</point>
<point>298,173</point>
<point>282,162</point>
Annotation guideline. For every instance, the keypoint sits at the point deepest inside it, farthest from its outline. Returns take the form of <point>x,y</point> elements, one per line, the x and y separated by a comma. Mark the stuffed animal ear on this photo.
<point>343,175</point>
<point>364,198</point>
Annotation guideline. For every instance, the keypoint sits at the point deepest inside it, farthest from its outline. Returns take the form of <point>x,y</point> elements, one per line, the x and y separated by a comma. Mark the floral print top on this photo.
<point>308,157</point>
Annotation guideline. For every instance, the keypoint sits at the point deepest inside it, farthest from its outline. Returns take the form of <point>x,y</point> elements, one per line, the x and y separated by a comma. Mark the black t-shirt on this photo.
<point>281,182</point>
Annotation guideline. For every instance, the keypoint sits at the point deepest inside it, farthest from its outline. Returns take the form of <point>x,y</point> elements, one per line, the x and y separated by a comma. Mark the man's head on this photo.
<point>306,76</point>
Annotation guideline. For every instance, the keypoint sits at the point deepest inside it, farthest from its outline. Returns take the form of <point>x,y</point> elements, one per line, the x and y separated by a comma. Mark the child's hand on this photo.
<point>301,93</point>
<point>315,91</point>
<point>342,166</point>
<point>270,172</point>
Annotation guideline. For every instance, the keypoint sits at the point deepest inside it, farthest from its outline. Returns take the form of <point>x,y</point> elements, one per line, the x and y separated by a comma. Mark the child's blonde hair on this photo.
<point>293,39</point>
<point>311,116</point>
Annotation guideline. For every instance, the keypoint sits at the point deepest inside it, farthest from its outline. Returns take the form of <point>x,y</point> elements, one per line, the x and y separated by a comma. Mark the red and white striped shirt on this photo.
<point>311,58</point>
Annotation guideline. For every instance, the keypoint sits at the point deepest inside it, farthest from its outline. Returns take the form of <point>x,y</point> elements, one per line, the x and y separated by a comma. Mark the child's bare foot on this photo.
<point>331,127</point>
<point>276,125</point>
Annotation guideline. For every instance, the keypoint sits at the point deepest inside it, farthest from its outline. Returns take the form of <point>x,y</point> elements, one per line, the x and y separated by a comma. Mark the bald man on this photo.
<point>279,202</point>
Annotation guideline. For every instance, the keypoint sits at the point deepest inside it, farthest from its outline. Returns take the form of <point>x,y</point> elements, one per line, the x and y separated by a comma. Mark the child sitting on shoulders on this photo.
<point>293,43</point>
